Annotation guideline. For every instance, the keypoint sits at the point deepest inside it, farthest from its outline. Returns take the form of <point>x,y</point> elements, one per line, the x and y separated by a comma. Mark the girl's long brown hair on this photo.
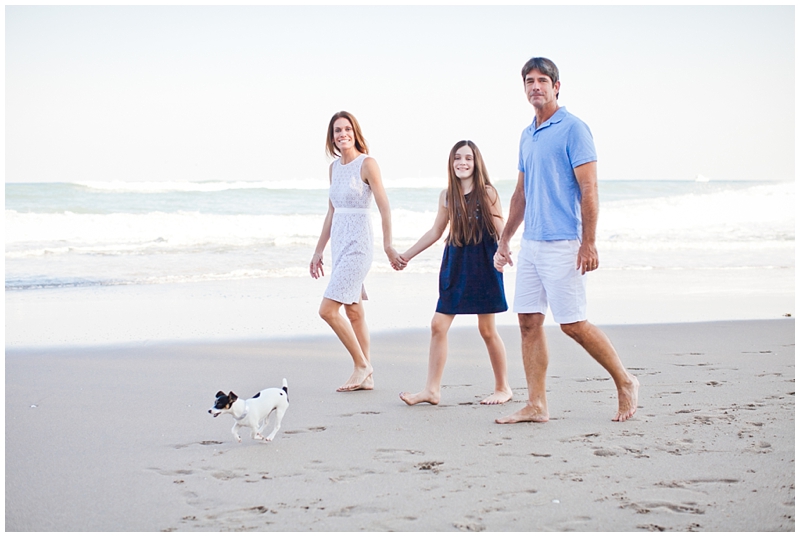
<point>464,227</point>
<point>360,141</point>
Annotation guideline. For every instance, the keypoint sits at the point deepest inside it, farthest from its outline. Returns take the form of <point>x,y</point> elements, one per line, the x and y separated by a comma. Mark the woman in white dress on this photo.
<point>355,178</point>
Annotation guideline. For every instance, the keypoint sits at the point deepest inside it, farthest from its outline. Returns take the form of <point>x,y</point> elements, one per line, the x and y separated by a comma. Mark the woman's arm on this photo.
<point>433,234</point>
<point>316,260</point>
<point>371,175</point>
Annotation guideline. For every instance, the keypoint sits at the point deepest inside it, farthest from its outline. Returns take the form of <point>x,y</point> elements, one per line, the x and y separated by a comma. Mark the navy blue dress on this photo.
<point>468,281</point>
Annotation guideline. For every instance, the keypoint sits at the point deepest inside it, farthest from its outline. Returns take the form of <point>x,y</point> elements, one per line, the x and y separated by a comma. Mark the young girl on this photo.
<point>468,281</point>
<point>355,178</point>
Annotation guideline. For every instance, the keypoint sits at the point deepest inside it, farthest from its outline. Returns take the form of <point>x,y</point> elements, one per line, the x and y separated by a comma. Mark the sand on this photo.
<point>119,438</point>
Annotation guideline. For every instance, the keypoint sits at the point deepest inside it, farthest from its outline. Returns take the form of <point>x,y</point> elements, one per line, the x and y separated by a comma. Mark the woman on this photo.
<point>355,178</point>
<point>468,281</point>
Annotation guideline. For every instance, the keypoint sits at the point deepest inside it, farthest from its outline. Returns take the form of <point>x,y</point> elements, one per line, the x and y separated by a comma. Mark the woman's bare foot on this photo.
<point>628,400</point>
<point>424,396</point>
<point>528,413</point>
<point>361,379</point>
<point>368,384</point>
<point>498,397</point>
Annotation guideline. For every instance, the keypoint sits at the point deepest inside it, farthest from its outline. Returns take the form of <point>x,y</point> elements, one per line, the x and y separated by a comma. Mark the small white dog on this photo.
<point>253,412</point>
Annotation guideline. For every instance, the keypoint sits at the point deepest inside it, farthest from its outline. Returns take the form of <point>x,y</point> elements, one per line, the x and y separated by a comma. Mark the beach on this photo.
<point>169,180</point>
<point>128,306</point>
<point>117,437</point>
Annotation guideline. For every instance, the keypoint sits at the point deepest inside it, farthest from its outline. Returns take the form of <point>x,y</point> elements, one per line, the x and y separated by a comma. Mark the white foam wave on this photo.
<point>753,214</point>
<point>321,183</point>
<point>43,234</point>
<point>751,227</point>
<point>151,187</point>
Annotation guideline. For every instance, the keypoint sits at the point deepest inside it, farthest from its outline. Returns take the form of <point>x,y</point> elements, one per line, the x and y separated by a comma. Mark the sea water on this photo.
<point>74,238</point>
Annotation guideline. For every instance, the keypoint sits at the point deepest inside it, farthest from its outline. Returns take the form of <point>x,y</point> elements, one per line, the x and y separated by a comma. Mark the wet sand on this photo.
<point>118,437</point>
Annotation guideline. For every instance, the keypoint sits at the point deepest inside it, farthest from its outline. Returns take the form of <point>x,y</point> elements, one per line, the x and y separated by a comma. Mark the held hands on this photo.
<point>316,266</point>
<point>405,258</point>
<point>503,256</point>
<point>587,257</point>
<point>397,262</point>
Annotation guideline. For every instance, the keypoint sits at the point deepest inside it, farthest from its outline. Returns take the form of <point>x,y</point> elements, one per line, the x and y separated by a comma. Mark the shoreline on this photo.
<point>287,307</point>
<point>118,437</point>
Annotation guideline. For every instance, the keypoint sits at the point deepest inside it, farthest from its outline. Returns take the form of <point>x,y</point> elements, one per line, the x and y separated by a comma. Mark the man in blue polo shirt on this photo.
<point>556,197</point>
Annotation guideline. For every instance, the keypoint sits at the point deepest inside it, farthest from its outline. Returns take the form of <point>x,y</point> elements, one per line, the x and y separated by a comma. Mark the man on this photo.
<point>556,196</point>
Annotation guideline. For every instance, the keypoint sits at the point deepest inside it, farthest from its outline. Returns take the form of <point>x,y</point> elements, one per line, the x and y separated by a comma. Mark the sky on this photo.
<point>207,93</point>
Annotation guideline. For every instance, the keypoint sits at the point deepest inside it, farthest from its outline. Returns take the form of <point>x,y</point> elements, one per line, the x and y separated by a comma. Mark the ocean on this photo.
<point>99,234</point>
<point>75,240</point>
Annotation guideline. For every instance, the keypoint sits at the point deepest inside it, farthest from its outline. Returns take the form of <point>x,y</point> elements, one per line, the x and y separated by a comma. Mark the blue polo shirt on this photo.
<point>548,155</point>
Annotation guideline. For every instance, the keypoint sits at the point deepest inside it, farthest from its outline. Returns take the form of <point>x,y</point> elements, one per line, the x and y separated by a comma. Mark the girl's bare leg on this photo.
<point>497,355</point>
<point>344,330</point>
<point>440,325</point>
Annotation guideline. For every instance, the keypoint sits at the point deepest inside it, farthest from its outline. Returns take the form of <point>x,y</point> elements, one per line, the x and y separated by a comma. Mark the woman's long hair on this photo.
<point>358,138</point>
<point>465,228</point>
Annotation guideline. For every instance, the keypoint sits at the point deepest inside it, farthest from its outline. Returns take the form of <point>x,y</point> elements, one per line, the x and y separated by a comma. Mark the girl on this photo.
<point>468,281</point>
<point>354,179</point>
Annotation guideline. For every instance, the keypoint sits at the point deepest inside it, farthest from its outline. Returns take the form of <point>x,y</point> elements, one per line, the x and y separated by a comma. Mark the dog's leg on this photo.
<point>278,417</point>
<point>263,423</point>
<point>255,427</point>
<point>235,432</point>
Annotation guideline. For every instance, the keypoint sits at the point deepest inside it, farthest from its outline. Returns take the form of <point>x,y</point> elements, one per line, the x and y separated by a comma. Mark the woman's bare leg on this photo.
<point>344,330</point>
<point>357,317</point>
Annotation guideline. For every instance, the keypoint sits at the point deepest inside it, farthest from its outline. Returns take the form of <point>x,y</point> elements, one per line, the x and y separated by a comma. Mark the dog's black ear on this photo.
<point>233,397</point>
<point>220,394</point>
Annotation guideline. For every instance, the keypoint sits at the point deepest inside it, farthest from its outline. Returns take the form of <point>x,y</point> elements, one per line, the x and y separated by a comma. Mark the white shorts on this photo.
<point>547,273</point>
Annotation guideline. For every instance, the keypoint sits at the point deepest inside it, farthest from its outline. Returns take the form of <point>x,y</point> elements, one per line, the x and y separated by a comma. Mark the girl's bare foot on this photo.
<point>528,413</point>
<point>359,380</point>
<point>422,397</point>
<point>498,397</point>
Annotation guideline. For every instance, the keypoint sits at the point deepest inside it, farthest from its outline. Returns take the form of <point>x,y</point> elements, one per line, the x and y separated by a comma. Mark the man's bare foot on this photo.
<point>528,413</point>
<point>424,396</point>
<point>498,397</point>
<point>628,400</point>
<point>361,379</point>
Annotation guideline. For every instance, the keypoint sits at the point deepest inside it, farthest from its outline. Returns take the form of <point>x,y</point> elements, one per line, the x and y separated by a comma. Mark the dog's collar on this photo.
<point>246,410</point>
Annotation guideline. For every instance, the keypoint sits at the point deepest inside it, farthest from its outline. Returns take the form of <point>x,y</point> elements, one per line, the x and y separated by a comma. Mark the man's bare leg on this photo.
<point>440,325</point>
<point>497,356</point>
<point>535,360</point>
<point>343,328</point>
<point>600,348</point>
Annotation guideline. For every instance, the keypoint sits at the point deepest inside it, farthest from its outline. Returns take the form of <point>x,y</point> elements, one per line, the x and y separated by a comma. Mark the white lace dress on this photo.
<point>351,232</point>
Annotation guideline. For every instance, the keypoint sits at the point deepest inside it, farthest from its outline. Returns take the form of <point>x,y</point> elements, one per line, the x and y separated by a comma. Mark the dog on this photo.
<point>253,412</point>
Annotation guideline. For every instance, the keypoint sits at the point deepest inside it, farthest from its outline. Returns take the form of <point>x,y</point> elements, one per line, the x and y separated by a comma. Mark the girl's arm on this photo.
<point>316,260</point>
<point>433,235</point>
<point>496,209</point>
<point>371,175</point>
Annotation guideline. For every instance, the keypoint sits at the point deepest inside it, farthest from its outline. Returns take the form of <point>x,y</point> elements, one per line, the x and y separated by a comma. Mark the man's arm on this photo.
<point>516,214</point>
<point>586,174</point>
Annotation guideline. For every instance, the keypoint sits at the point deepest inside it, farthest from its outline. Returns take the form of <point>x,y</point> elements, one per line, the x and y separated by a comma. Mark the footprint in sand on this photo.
<point>647,507</point>
<point>172,473</point>
<point>202,443</point>
<point>432,466</point>
<point>307,430</point>
<point>469,526</point>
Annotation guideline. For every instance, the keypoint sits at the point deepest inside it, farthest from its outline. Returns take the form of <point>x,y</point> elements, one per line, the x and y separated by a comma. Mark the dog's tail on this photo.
<point>285,389</point>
